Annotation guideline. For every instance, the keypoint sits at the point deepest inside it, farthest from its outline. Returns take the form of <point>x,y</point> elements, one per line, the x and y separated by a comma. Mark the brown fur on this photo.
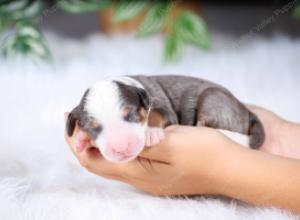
<point>156,119</point>
<point>143,115</point>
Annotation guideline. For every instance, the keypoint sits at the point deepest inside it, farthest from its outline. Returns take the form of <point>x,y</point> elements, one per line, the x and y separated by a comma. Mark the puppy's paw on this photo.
<point>154,135</point>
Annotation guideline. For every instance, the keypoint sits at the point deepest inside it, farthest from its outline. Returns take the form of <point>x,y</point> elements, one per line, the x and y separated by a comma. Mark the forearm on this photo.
<point>262,179</point>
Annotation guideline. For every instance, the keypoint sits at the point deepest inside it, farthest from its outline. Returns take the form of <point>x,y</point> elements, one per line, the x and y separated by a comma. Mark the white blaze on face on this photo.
<point>103,101</point>
<point>119,141</point>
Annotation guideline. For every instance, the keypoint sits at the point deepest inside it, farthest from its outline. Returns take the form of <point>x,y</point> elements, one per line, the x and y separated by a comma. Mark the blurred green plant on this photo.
<point>23,17</point>
<point>297,11</point>
<point>25,37</point>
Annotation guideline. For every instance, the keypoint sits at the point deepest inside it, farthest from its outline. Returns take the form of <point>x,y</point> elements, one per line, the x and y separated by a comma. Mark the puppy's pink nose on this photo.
<point>121,141</point>
<point>123,145</point>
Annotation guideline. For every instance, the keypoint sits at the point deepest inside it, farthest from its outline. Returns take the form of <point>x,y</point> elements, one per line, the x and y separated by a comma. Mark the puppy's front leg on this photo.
<point>153,136</point>
<point>157,121</point>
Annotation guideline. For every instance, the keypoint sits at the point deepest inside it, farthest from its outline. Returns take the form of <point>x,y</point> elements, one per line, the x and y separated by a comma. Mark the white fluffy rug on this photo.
<point>39,177</point>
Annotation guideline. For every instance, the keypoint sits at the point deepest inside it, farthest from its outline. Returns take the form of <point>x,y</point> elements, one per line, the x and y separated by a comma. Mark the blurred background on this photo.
<point>22,23</point>
<point>51,51</point>
<point>240,45</point>
<point>230,17</point>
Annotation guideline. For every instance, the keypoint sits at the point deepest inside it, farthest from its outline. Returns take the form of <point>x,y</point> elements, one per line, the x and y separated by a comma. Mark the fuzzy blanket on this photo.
<point>39,177</point>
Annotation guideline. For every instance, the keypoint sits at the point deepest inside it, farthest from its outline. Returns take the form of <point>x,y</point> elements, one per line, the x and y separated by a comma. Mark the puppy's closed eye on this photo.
<point>95,125</point>
<point>132,116</point>
<point>129,117</point>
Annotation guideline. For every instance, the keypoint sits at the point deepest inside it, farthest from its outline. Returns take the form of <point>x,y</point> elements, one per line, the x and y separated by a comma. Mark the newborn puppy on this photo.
<point>122,115</point>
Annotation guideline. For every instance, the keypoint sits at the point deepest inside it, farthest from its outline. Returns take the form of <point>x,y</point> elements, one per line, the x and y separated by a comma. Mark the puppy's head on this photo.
<point>114,115</point>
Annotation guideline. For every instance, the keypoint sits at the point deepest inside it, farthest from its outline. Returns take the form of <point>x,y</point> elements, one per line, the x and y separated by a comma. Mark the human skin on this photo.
<point>202,161</point>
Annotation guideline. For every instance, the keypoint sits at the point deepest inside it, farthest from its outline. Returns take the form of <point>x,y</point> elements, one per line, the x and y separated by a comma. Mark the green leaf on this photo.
<point>2,24</point>
<point>28,30</point>
<point>38,48</point>
<point>32,10</point>
<point>297,12</point>
<point>80,6</point>
<point>125,10</point>
<point>27,40</point>
<point>173,48</point>
<point>12,6</point>
<point>3,2</point>
<point>20,10</point>
<point>154,20</point>
<point>192,29</point>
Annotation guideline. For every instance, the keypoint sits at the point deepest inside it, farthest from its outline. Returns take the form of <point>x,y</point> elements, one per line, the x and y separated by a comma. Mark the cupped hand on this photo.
<point>187,162</point>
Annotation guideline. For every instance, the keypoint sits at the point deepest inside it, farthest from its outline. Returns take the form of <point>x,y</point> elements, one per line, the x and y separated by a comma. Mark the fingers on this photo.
<point>177,140</point>
<point>92,160</point>
<point>66,116</point>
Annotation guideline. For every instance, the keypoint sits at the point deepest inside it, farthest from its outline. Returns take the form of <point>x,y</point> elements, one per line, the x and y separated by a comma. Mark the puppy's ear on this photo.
<point>131,93</point>
<point>144,98</point>
<point>71,121</point>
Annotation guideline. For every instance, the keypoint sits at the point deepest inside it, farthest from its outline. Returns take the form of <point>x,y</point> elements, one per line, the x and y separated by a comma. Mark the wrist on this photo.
<point>283,140</point>
<point>289,140</point>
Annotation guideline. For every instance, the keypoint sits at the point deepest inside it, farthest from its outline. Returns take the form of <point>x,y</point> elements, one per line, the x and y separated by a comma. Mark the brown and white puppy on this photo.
<point>122,115</point>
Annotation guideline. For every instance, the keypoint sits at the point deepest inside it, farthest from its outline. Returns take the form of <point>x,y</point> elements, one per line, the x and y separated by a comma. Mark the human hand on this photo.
<point>188,161</point>
<point>193,161</point>
<point>282,137</point>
